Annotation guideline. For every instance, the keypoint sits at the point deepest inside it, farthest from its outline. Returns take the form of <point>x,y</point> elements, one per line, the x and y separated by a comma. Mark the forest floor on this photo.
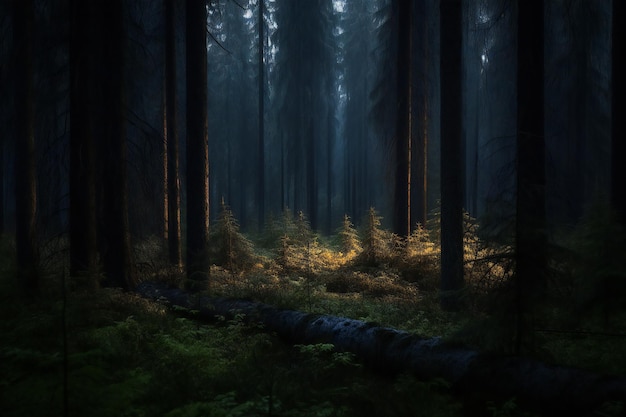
<point>123,355</point>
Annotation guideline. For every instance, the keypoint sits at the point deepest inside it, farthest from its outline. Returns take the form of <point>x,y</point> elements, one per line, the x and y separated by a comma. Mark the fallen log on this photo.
<point>536,385</point>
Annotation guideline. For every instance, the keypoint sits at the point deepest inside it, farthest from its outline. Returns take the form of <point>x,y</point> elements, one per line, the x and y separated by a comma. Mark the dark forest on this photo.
<point>312,208</point>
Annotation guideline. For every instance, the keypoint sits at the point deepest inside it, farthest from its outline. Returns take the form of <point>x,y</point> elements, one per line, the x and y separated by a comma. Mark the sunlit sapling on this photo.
<point>376,242</point>
<point>349,237</point>
<point>230,248</point>
<point>298,249</point>
<point>307,240</point>
<point>304,235</point>
<point>284,252</point>
<point>419,257</point>
<point>418,243</point>
<point>486,265</point>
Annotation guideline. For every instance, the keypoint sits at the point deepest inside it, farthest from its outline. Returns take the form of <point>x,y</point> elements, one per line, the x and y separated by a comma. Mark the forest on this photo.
<point>312,208</point>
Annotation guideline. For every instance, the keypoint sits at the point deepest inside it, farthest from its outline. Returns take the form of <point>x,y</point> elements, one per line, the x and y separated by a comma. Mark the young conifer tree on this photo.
<point>230,248</point>
<point>304,234</point>
<point>349,237</point>
<point>375,243</point>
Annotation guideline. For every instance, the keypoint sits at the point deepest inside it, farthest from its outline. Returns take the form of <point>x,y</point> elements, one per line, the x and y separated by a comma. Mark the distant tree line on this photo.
<point>328,108</point>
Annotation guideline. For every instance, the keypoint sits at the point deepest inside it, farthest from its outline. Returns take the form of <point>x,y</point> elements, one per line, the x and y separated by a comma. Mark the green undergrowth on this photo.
<point>127,356</point>
<point>130,357</point>
<point>368,273</point>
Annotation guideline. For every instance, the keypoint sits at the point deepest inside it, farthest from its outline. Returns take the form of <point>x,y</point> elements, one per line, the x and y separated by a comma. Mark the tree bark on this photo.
<point>618,89</point>
<point>452,172</point>
<point>311,175</point>
<point>261,144</point>
<point>171,137</point>
<point>83,226</point>
<point>402,197</point>
<point>530,233</point>
<point>419,147</point>
<point>197,146</point>
<point>27,255</point>
<point>545,388</point>
<point>117,259</point>
<point>1,187</point>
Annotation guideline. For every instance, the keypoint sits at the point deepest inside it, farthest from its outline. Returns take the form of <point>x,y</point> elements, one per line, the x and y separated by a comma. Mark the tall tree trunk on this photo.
<point>83,226</point>
<point>311,175</point>
<point>261,144</point>
<point>197,146</point>
<point>1,187</point>
<point>402,197</point>
<point>530,226</point>
<point>419,147</point>
<point>25,169</point>
<point>452,175</point>
<point>618,126</point>
<point>171,135</point>
<point>330,139</point>
<point>117,259</point>
<point>165,159</point>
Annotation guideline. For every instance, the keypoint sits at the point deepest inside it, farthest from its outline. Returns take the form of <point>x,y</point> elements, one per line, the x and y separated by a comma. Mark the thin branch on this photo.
<point>218,42</point>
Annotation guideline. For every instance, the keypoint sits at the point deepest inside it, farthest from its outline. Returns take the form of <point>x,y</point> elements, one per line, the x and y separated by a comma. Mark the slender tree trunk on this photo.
<point>261,145</point>
<point>329,174</point>
<point>171,134</point>
<point>402,198</point>
<point>419,148</point>
<point>25,169</point>
<point>311,176</point>
<point>618,144</point>
<point>83,226</point>
<point>283,195</point>
<point>530,227</point>
<point>452,175</point>
<point>1,187</point>
<point>197,146</point>
<point>117,257</point>
<point>166,203</point>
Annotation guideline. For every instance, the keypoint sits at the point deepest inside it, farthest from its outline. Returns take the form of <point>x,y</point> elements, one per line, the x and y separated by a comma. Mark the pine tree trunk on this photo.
<point>261,145</point>
<point>311,175</point>
<point>452,174</point>
<point>402,196</point>
<point>618,126</point>
<point>1,187</point>
<point>171,133</point>
<point>419,147</point>
<point>197,146</point>
<point>530,227</point>
<point>25,169</point>
<point>117,259</point>
<point>83,226</point>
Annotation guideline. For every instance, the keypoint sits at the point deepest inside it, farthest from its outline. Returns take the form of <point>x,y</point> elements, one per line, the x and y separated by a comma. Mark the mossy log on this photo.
<point>536,385</point>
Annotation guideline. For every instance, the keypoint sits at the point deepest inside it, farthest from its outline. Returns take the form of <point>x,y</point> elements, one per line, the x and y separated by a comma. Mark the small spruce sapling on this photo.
<point>304,235</point>
<point>418,242</point>
<point>231,249</point>
<point>375,240</point>
<point>349,237</point>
